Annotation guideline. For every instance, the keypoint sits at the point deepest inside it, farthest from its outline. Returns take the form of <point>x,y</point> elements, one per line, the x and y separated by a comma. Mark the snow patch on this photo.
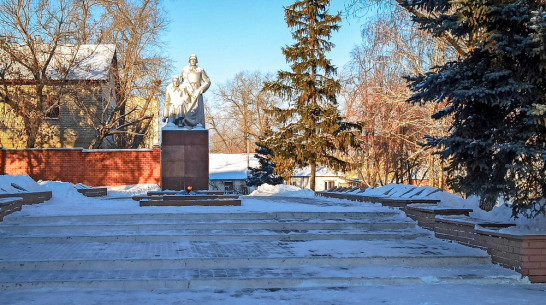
<point>7,184</point>
<point>132,190</point>
<point>67,199</point>
<point>282,190</point>
<point>61,190</point>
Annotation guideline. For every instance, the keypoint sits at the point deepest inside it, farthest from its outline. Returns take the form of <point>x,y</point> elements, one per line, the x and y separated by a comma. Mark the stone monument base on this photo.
<point>184,159</point>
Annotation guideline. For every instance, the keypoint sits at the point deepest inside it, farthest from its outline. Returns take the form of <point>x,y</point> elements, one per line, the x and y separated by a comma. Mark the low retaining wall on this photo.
<point>425,215</point>
<point>386,201</point>
<point>30,197</point>
<point>91,167</point>
<point>525,254</point>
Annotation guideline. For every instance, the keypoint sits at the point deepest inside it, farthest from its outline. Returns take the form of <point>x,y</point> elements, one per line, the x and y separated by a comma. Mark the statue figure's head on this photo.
<point>176,80</point>
<point>193,60</point>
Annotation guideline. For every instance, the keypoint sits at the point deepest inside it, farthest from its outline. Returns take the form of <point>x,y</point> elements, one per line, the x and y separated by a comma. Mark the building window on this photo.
<point>53,110</point>
<point>228,186</point>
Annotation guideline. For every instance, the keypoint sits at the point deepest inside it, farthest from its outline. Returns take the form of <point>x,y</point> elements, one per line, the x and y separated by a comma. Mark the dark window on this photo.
<point>228,185</point>
<point>53,108</point>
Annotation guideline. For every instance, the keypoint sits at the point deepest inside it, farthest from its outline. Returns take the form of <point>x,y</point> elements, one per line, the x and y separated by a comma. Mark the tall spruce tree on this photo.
<point>311,128</point>
<point>265,172</point>
<point>496,94</point>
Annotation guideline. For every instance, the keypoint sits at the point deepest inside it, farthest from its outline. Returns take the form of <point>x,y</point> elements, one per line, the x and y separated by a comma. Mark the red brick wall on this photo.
<point>91,167</point>
<point>525,254</point>
<point>534,258</point>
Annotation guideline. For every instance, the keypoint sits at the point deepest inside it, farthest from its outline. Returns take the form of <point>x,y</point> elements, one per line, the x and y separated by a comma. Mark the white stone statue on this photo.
<point>174,102</point>
<point>194,83</point>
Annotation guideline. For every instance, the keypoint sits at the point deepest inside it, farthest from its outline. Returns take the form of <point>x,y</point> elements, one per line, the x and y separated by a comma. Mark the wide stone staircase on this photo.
<point>185,251</point>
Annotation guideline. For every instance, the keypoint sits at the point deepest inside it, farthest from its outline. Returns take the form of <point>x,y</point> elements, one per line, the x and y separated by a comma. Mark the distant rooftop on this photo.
<point>230,166</point>
<point>86,62</point>
<point>234,166</point>
<point>322,171</point>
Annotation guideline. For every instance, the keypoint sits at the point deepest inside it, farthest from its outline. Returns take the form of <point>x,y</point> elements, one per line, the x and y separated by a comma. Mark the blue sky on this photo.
<point>230,36</point>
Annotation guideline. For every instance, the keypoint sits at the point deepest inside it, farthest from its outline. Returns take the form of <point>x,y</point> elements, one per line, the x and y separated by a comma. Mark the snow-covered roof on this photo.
<point>230,166</point>
<point>234,167</point>
<point>86,62</point>
<point>321,171</point>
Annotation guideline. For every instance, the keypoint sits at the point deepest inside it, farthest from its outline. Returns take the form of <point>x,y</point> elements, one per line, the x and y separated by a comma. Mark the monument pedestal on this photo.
<point>184,159</point>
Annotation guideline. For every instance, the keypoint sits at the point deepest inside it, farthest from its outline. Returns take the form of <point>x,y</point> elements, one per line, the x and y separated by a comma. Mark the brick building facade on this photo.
<point>86,94</point>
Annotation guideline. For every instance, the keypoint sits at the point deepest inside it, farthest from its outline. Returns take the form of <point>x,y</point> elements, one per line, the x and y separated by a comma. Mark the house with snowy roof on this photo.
<point>325,178</point>
<point>80,87</point>
<point>228,172</point>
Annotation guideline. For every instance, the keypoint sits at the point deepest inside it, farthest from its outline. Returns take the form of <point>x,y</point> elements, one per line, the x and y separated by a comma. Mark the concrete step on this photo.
<point>280,221</point>
<point>154,216</point>
<point>202,221</point>
<point>148,227</point>
<point>224,278</point>
<point>210,235</point>
<point>241,262</point>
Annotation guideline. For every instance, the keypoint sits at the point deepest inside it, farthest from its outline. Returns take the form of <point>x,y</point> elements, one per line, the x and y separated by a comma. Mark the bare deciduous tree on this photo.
<point>134,27</point>
<point>375,93</point>
<point>241,116</point>
<point>33,39</point>
<point>390,7</point>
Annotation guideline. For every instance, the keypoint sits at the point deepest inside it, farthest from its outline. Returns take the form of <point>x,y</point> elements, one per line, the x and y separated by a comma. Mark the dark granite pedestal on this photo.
<point>184,159</point>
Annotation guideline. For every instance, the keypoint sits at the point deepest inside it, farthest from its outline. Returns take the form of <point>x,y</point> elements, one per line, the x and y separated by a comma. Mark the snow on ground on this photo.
<point>282,190</point>
<point>132,190</point>
<point>67,201</point>
<point>456,294</point>
<point>7,184</point>
<point>65,195</point>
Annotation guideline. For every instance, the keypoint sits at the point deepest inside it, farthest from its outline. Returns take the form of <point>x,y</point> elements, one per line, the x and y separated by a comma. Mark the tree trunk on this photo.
<point>442,186</point>
<point>31,129</point>
<point>97,142</point>
<point>31,138</point>
<point>432,172</point>
<point>313,174</point>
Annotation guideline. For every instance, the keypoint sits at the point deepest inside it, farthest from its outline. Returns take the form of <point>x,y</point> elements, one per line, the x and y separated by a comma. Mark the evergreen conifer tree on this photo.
<point>311,128</point>
<point>265,173</point>
<point>496,94</point>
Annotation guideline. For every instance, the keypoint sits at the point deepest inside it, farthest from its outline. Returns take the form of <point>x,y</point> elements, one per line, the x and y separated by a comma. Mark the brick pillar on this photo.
<point>184,159</point>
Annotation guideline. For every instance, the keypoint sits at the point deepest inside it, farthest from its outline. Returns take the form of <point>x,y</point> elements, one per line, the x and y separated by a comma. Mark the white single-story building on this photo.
<point>227,172</point>
<point>325,178</point>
